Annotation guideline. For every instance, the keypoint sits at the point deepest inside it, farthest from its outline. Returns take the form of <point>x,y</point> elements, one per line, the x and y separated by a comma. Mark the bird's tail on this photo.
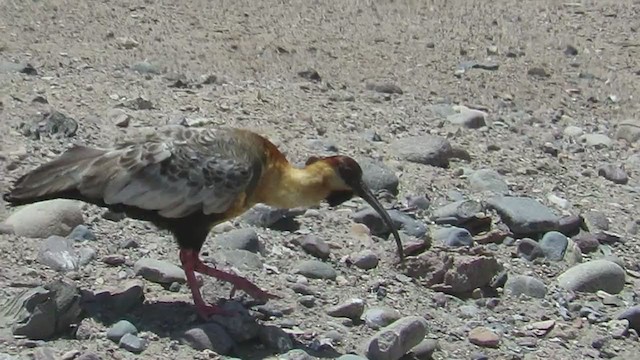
<point>55,179</point>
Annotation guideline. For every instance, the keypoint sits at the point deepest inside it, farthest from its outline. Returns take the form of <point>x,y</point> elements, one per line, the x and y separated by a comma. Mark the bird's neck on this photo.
<point>285,186</point>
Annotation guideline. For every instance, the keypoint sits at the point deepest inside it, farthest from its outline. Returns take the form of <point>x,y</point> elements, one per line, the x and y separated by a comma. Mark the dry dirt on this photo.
<point>84,54</point>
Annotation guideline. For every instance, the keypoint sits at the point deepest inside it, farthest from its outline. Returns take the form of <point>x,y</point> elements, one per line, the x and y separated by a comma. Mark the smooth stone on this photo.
<point>315,246</point>
<point>159,271</point>
<point>119,329</point>
<point>427,150</point>
<point>527,285</point>
<point>598,141</point>
<point>573,131</point>
<point>469,118</point>
<point>46,218</point>
<point>275,338</point>
<point>365,259</point>
<point>553,245</point>
<point>401,221</point>
<point>395,340</point>
<point>529,249</point>
<point>57,253</point>
<point>453,236</point>
<point>239,239</point>
<point>632,315</point>
<point>593,276</point>
<point>488,180</point>
<point>524,215</point>
<point>377,176</point>
<point>628,130</point>
<point>209,336</point>
<point>82,233</point>
<point>240,259</point>
<point>424,350</point>
<point>352,309</point>
<point>315,269</point>
<point>484,337</point>
<point>132,343</point>
<point>377,318</point>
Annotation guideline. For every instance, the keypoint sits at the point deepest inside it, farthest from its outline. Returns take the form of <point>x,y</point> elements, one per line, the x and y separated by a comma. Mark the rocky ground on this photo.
<point>504,136</point>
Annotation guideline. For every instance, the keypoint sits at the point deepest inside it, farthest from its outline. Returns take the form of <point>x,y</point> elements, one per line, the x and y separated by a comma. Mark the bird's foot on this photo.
<point>238,282</point>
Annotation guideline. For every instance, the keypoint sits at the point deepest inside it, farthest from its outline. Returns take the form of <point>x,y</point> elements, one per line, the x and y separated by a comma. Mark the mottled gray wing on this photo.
<point>177,171</point>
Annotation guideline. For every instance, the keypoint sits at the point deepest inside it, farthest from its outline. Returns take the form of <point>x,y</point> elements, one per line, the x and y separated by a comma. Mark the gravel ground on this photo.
<point>504,135</point>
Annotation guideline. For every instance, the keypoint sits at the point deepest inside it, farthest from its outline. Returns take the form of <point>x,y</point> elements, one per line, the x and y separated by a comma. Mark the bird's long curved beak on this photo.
<point>363,191</point>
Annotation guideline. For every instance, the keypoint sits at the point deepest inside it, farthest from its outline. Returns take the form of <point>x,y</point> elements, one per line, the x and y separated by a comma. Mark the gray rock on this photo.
<point>43,312</point>
<point>467,273</point>
<point>44,353</point>
<point>419,202</point>
<point>460,211</point>
<point>352,309</point>
<point>395,340</point>
<point>209,336</point>
<point>242,326</point>
<point>11,67</point>
<point>524,215</point>
<point>57,253</point>
<point>426,149</point>
<point>119,117</point>
<point>453,236</point>
<point>592,276</point>
<point>488,180</point>
<point>159,271</point>
<point>383,87</point>
<point>119,329</point>
<point>275,338</point>
<point>469,118</point>
<point>527,285</point>
<point>46,218</point>
<point>628,130</point>
<point>350,357</point>
<point>598,141</point>
<point>51,124</point>
<point>132,343</point>
<point>529,249</point>
<point>595,221</point>
<point>144,67</point>
<point>632,315</point>
<point>377,176</point>
<point>323,146</point>
<point>266,216</point>
<point>315,246</point>
<point>5,356</point>
<point>89,356</point>
<point>81,233</point>
<point>614,173</point>
<point>365,259</point>
<point>424,350</point>
<point>315,269</point>
<point>307,301</point>
<point>86,255</point>
<point>572,131</point>
<point>377,317</point>
<point>239,239</point>
<point>587,242</point>
<point>401,221</point>
<point>553,245</point>
<point>295,354</point>
<point>240,259</point>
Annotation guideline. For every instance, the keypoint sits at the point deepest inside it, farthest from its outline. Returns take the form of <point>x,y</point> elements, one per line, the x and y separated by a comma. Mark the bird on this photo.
<point>187,180</point>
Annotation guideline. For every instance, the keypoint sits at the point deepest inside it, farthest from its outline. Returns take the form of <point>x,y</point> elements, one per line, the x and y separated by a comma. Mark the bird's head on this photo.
<point>345,181</point>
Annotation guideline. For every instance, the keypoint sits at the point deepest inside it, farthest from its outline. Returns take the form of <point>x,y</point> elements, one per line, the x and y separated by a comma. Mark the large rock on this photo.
<point>46,218</point>
<point>488,180</point>
<point>395,340</point>
<point>523,215</point>
<point>378,176</point>
<point>593,276</point>
<point>527,285</point>
<point>426,149</point>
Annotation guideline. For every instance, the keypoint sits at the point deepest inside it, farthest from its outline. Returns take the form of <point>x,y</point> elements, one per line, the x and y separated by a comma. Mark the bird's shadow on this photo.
<point>170,320</point>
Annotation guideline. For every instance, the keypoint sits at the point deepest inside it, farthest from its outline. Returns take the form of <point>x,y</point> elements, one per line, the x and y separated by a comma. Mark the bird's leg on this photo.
<point>238,282</point>
<point>188,259</point>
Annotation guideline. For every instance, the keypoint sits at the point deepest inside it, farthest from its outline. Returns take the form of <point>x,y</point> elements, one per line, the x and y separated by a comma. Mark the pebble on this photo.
<point>352,309</point>
<point>453,236</point>
<point>573,131</point>
<point>614,173</point>
<point>628,130</point>
<point>52,124</point>
<point>266,216</point>
<point>377,176</point>
<point>159,271</point>
<point>209,336</point>
<point>395,340</point>
<point>378,317</point>
<point>315,246</point>
<point>275,338</point>
<point>461,211</point>
<point>524,215</point>
<point>315,269</point>
<point>295,354</point>
<point>307,301</point>
<point>240,259</point>
<point>119,117</point>
<point>592,276</point>
<point>57,253</point>
<point>365,259</point>
<point>384,88</point>
<point>348,357</point>
<point>89,356</point>
<point>587,242</point>
<point>632,315</point>
<point>11,67</point>
<point>119,329</point>
<point>595,221</point>
<point>114,259</point>
<point>239,239</point>
<point>132,343</point>
<point>529,249</point>
<point>598,141</point>
<point>46,218</point>
<point>144,67</point>
<point>241,327</point>
<point>410,226</point>
<point>488,180</point>
<point>421,202</point>
<point>82,233</point>
<point>484,337</point>
<point>527,285</point>
<point>424,350</point>
<point>469,118</point>
<point>427,149</point>
<point>553,245</point>
<point>44,353</point>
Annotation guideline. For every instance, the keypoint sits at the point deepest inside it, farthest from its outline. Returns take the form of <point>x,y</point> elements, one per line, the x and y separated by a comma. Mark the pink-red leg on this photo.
<point>204,310</point>
<point>191,262</point>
